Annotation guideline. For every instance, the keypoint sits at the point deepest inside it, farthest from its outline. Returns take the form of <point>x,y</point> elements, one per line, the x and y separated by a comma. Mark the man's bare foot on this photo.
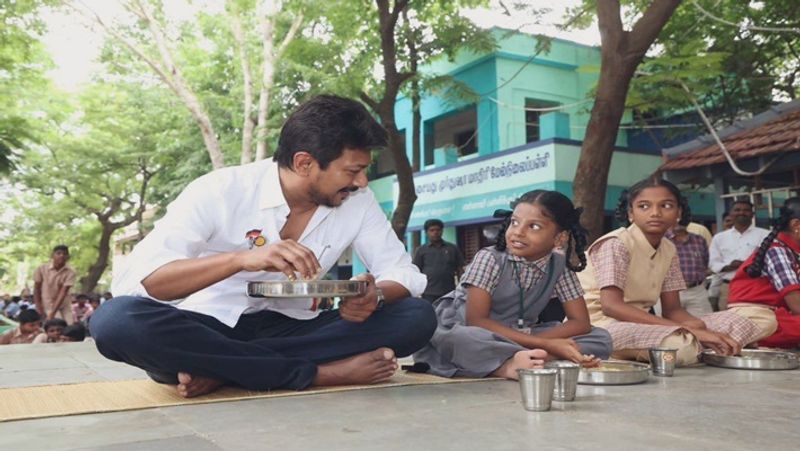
<point>367,368</point>
<point>190,386</point>
<point>529,358</point>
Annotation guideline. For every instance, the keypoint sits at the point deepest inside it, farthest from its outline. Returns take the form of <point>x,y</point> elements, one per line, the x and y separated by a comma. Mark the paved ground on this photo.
<point>700,408</point>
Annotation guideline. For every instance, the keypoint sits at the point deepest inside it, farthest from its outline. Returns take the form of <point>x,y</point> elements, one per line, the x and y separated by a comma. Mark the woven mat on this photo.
<point>112,396</point>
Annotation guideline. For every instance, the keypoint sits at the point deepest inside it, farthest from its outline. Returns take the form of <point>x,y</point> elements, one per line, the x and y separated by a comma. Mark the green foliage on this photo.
<point>22,63</point>
<point>734,71</point>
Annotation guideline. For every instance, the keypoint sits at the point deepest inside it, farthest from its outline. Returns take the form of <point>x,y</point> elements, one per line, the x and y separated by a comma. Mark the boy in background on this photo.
<point>52,331</point>
<point>29,327</point>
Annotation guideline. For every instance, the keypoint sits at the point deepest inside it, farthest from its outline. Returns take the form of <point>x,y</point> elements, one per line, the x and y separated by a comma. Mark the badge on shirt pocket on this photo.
<point>255,238</point>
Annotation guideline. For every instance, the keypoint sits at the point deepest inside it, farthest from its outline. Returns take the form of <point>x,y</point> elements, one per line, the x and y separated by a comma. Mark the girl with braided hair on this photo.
<point>489,324</point>
<point>766,288</point>
<point>634,267</point>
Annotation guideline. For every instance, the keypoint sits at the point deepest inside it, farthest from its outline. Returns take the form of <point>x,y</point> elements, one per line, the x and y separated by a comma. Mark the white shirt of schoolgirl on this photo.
<point>238,208</point>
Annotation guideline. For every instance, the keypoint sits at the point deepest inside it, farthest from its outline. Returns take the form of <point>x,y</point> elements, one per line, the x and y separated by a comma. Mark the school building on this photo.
<point>524,132</point>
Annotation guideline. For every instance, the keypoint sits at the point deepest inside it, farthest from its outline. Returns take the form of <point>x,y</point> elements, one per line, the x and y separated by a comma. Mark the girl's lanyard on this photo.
<point>521,310</point>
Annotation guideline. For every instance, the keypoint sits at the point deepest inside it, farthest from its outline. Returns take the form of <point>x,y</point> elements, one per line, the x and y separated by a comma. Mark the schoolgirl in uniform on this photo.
<point>633,267</point>
<point>488,324</point>
<point>766,288</point>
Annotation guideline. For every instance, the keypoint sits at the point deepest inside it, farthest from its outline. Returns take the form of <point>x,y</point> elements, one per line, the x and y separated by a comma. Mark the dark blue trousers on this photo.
<point>266,350</point>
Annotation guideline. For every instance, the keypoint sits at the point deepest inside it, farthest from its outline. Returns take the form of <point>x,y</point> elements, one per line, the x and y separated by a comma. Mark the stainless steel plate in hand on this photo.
<point>307,289</point>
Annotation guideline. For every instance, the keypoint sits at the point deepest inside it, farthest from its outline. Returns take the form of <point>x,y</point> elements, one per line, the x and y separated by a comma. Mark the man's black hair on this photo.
<point>433,223</point>
<point>742,201</point>
<point>61,247</point>
<point>83,296</point>
<point>28,316</point>
<point>324,127</point>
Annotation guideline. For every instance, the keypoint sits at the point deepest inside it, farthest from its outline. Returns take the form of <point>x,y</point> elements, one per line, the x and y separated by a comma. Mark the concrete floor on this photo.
<point>700,408</point>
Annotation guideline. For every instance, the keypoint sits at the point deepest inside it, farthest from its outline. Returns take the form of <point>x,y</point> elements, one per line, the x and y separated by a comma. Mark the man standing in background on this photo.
<point>732,247</point>
<point>52,282</point>
<point>441,261</point>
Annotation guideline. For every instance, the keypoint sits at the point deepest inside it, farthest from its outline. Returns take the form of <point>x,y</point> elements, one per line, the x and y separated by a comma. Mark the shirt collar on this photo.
<point>539,264</point>
<point>638,235</point>
<point>271,193</point>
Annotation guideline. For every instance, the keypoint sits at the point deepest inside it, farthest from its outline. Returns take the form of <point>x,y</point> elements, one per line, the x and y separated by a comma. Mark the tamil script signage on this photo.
<point>474,189</point>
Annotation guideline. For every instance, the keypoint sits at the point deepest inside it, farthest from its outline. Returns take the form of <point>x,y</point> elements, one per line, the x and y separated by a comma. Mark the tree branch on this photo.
<point>368,100</point>
<point>647,28</point>
<point>298,21</point>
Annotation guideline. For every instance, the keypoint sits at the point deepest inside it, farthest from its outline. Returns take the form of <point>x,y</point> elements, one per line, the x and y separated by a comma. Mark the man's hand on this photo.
<point>358,309</point>
<point>50,315</point>
<point>286,256</point>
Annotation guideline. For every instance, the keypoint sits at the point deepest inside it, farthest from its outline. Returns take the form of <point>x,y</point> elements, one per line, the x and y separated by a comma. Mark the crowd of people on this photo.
<point>51,313</point>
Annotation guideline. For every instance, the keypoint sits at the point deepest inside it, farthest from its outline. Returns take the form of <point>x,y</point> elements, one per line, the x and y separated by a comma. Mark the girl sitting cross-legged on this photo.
<point>632,268</point>
<point>488,325</point>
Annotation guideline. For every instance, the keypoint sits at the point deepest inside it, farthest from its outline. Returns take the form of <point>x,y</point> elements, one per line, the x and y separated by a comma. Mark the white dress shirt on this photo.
<point>731,245</point>
<point>214,215</point>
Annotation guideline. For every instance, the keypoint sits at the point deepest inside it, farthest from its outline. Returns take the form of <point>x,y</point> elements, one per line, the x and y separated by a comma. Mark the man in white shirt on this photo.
<point>271,220</point>
<point>732,247</point>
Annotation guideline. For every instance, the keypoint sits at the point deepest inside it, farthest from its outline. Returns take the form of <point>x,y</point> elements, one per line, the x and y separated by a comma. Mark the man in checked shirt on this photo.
<point>693,258</point>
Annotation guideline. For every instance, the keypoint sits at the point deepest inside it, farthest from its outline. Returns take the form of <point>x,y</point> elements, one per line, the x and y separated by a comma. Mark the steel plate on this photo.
<point>616,373</point>
<point>307,289</point>
<point>754,359</point>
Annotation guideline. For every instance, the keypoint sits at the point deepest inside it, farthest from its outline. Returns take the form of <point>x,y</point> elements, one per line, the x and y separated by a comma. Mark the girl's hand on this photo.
<point>564,348</point>
<point>720,343</point>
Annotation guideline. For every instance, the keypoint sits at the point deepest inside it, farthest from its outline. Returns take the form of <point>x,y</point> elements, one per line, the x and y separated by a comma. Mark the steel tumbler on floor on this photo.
<point>662,361</point>
<point>566,379</point>
<point>536,387</point>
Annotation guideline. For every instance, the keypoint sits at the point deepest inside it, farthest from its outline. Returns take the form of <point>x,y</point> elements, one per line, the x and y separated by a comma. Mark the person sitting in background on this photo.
<point>29,327</point>
<point>766,288</point>
<point>73,332</point>
<point>693,258</point>
<point>52,331</point>
<point>731,247</point>
<point>12,309</point>
<point>80,309</point>
<point>701,230</point>
<point>107,296</point>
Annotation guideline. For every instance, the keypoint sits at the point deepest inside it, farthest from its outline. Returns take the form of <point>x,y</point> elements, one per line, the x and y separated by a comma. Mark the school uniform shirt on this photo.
<point>780,276</point>
<point>484,272</point>
<point>693,257</point>
<point>731,245</point>
<point>243,207</point>
<point>52,280</point>
<point>626,260</point>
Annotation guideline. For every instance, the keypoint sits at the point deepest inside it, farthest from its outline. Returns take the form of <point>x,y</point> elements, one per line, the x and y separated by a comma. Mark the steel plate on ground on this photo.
<point>306,289</point>
<point>615,372</point>
<point>753,359</point>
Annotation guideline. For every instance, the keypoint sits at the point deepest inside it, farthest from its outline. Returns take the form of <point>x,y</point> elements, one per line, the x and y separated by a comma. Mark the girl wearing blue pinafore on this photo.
<point>489,325</point>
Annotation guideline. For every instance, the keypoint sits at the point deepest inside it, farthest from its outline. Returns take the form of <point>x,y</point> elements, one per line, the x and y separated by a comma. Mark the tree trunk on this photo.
<point>247,83</point>
<point>89,282</point>
<point>621,53</point>
<point>270,8</point>
<point>385,108</point>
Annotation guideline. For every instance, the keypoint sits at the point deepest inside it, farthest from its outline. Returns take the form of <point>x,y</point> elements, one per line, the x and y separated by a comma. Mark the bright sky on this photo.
<point>75,48</point>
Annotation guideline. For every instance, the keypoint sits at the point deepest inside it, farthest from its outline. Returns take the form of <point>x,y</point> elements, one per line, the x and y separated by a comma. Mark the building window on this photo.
<point>532,130</point>
<point>459,130</point>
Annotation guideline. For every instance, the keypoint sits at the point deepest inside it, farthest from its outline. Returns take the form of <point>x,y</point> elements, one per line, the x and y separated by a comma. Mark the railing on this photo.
<point>756,197</point>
